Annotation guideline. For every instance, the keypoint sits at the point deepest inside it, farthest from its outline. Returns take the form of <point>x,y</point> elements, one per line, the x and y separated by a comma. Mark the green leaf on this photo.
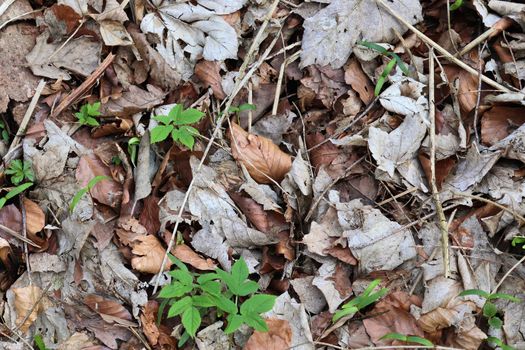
<point>16,179</point>
<point>5,135</point>
<point>247,107</point>
<point>162,306</point>
<point>77,198</point>
<point>39,342</point>
<point>456,5</point>
<point>494,340</point>
<point>382,79</point>
<point>248,287</point>
<point>183,277</point>
<point>211,287</point>
<point>94,181</point>
<point>91,121</point>
<point>224,303</point>
<point>495,322</point>
<point>180,306</point>
<point>174,290</point>
<point>400,64</point>
<point>17,190</point>
<point>202,301</point>
<point>344,312</point>
<point>234,322</point>
<point>364,301</point>
<point>479,292</point>
<point>178,263</point>
<point>504,296</point>
<point>93,110</point>
<point>160,133</point>
<point>191,320</point>
<point>394,336</point>
<point>164,119</point>
<point>256,322</point>
<point>189,116</point>
<point>258,304</point>
<point>186,139</point>
<point>489,310</point>
<point>240,271</point>
<point>373,46</point>
<point>175,112</point>
<point>183,339</point>
<point>205,277</point>
<point>2,202</point>
<point>418,340</point>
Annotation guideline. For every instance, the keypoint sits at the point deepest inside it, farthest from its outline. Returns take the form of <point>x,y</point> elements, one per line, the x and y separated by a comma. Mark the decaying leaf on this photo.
<point>35,217</point>
<point>107,191</point>
<point>261,157</point>
<point>29,303</point>
<point>278,337</point>
<point>109,310</point>
<point>148,254</point>
<point>185,254</point>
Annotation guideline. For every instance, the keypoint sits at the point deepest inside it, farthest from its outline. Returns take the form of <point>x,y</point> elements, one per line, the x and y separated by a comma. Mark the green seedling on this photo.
<point>191,295</point>
<point>489,309</point>
<point>19,171</point>
<point>14,192</point>
<point>242,108</point>
<point>133,146</point>
<point>456,5</point>
<point>39,342</point>
<point>396,60</point>
<point>177,124</point>
<point>92,183</point>
<point>499,343</point>
<point>87,114</point>
<point>519,240</point>
<point>408,339</point>
<point>361,301</point>
<point>3,131</point>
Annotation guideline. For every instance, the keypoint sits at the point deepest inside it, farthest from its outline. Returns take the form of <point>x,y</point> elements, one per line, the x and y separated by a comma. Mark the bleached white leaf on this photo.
<point>222,7</point>
<point>401,145</point>
<point>406,97</point>
<point>329,35</point>
<point>327,281</point>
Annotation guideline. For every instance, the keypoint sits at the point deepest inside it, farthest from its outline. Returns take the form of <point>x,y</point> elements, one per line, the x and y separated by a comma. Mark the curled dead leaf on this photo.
<point>35,217</point>
<point>278,337</point>
<point>185,254</point>
<point>261,157</point>
<point>149,326</point>
<point>107,307</point>
<point>27,310</point>
<point>148,254</point>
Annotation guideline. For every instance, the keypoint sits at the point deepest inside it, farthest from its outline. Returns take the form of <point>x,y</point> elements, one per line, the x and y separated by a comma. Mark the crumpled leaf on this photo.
<point>334,282</point>
<point>311,297</point>
<point>278,337</point>
<point>213,337</point>
<point>148,254</point>
<point>330,34</point>
<point>261,157</point>
<point>44,60</point>
<point>107,191</point>
<point>114,33</point>
<point>185,254</point>
<point>132,101</point>
<point>35,217</point>
<point>108,309</point>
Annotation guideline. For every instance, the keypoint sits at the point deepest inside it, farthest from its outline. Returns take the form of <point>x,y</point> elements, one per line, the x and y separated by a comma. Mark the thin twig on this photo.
<point>507,274</point>
<point>20,16</point>
<point>250,101</point>
<point>27,115</point>
<point>19,236</point>
<point>42,295</point>
<point>82,21</point>
<point>477,41</point>
<point>441,50</point>
<point>502,207</point>
<point>24,232</point>
<point>408,191</point>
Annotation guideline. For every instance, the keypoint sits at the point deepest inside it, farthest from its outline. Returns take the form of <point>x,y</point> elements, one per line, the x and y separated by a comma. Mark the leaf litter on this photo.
<point>321,161</point>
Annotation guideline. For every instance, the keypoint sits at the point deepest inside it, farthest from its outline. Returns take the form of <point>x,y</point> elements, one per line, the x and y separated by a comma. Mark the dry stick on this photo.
<point>286,62</point>
<point>27,116</point>
<point>5,6</point>
<point>442,51</point>
<point>477,41</point>
<point>410,190</point>
<point>19,236</point>
<point>16,18</point>
<point>213,137</point>
<point>478,98</point>
<point>250,101</point>
<point>435,192</point>
<point>387,347</point>
<point>85,86</point>
<point>24,231</point>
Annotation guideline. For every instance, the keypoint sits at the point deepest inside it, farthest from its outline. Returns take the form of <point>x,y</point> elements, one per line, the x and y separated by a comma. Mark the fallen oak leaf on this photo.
<point>278,337</point>
<point>148,255</point>
<point>261,157</point>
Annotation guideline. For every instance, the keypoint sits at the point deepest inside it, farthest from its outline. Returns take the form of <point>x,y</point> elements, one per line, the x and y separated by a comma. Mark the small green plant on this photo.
<point>408,339</point>
<point>19,171</point>
<point>3,131</point>
<point>190,295</point>
<point>177,124</point>
<point>133,146</point>
<point>39,342</point>
<point>85,190</point>
<point>396,60</point>
<point>361,301</point>
<point>489,309</point>
<point>87,114</point>
<point>519,240</point>
<point>499,343</point>
<point>14,192</point>
<point>242,108</point>
<point>456,5</point>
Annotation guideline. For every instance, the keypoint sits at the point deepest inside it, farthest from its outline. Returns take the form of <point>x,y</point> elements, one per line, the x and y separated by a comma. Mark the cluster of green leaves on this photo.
<point>489,309</point>
<point>14,192</point>
<point>87,114</point>
<point>19,171</point>
<point>85,190</point>
<point>361,301</point>
<point>414,339</point>
<point>3,131</point>
<point>519,240</point>
<point>190,295</point>
<point>456,5</point>
<point>177,124</point>
<point>498,342</point>
<point>396,60</point>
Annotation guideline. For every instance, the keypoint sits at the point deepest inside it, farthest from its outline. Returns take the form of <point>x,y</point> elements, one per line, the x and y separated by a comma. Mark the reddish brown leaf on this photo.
<point>108,307</point>
<point>209,73</point>
<point>148,255</point>
<point>355,77</point>
<point>499,122</point>
<point>25,300</point>
<point>149,216</point>
<point>261,157</point>
<point>107,191</point>
<point>185,254</point>
<point>129,229</point>
<point>443,168</point>
<point>278,337</point>
<point>35,217</point>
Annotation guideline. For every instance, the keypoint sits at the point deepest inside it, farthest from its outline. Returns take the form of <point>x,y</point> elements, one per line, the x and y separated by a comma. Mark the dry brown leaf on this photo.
<point>149,216</point>
<point>468,87</point>
<point>148,319</point>
<point>35,217</point>
<point>148,255</point>
<point>357,79</point>
<point>209,73</point>
<point>107,307</point>
<point>185,254</point>
<point>499,122</point>
<point>129,229</point>
<point>107,191</point>
<point>25,300</point>
<point>278,337</point>
<point>261,157</point>
<point>133,100</point>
